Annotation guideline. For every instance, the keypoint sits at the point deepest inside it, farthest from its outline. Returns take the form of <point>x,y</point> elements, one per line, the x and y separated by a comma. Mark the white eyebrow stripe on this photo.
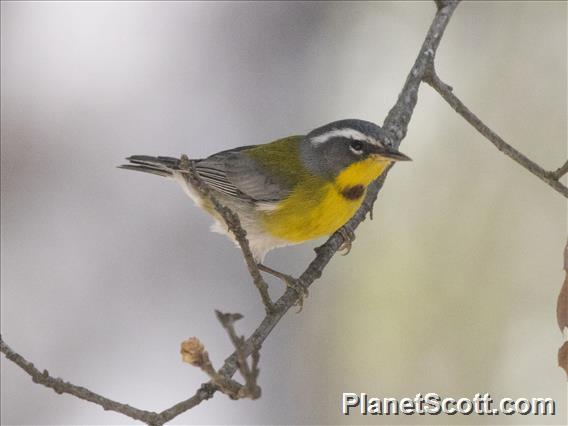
<point>344,133</point>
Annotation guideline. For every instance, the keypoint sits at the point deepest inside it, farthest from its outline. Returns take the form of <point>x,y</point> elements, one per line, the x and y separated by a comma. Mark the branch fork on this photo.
<point>193,352</point>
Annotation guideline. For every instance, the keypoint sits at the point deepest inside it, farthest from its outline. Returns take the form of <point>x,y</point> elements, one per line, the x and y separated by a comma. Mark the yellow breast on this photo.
<point>318,207</point>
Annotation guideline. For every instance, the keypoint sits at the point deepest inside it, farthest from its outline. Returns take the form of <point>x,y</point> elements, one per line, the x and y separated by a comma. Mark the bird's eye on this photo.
<point>356,147</point>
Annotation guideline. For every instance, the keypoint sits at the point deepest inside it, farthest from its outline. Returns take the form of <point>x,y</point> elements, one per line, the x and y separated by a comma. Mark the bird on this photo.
<point>288,191</point>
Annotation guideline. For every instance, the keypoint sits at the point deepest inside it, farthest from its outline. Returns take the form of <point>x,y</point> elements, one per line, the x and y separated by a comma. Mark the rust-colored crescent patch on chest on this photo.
<point>353,192</point>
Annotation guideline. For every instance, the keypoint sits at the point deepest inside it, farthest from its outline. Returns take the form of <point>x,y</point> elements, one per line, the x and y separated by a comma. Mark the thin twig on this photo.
<point>551,178</point>
<point>250,374</point>
<point>193,352</point>
<point>560,171</point>
<point>399,116</point>
<point>234,224</point>
<point>60,386</point>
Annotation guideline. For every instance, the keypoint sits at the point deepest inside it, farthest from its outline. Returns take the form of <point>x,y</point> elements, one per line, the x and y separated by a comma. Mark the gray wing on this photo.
<point>237,174</point>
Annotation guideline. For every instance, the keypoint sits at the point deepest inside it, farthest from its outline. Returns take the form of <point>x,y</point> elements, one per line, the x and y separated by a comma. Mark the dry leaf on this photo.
<point>562,305</point>
<point>563,358</point>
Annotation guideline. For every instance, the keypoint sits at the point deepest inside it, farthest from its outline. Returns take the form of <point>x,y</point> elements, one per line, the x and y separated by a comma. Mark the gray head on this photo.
<point>329,149</point>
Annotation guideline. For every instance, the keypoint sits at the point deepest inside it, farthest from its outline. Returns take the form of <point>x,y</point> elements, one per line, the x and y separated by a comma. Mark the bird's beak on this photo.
<point>391,154</point>
<point>395,156</point>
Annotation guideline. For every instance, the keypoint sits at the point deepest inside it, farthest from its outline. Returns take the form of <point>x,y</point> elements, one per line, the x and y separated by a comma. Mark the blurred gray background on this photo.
<point>451,289</point>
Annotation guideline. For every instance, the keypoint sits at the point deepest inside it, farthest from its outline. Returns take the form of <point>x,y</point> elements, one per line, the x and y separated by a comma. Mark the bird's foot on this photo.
<point>290,282</point>
<point>348,238</point>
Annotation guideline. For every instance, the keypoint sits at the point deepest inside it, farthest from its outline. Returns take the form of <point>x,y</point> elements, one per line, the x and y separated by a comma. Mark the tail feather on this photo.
<point>161,166</point>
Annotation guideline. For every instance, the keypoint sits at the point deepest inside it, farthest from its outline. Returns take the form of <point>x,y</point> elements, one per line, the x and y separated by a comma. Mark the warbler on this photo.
<point>291,190</point>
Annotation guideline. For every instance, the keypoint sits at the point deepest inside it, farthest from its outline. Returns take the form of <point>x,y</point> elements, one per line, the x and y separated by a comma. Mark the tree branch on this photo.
<point>551,178</point>
<point>59,386</point>
<point>560,171</point>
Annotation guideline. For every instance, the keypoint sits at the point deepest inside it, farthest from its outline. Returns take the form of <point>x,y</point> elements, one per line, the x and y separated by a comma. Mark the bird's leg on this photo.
<point>348,238</point>
<point>290,282</point>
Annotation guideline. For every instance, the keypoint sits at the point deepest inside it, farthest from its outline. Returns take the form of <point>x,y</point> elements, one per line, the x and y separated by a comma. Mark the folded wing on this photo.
<point>237,174</point>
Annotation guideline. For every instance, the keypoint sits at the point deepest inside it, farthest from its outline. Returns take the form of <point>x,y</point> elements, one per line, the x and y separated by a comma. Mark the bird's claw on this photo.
<point>300,290</point>
<point>348,238</point>
<point>290,282</point>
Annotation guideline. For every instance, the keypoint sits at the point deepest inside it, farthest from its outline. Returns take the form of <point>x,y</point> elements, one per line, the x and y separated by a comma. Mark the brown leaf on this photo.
<point>563,358</point>
<point>562,305</point>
